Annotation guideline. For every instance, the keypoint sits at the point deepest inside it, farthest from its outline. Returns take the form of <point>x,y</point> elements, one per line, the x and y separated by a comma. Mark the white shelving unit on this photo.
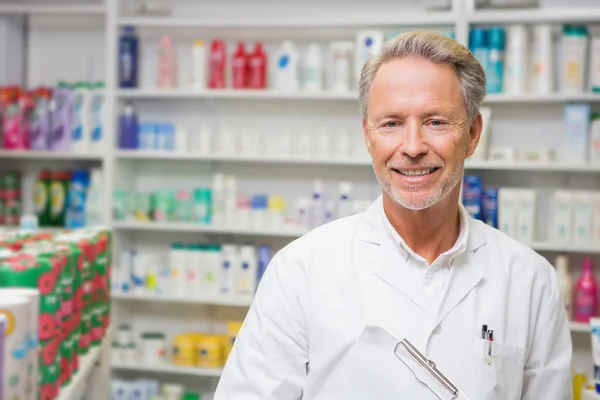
<point>145,171</point>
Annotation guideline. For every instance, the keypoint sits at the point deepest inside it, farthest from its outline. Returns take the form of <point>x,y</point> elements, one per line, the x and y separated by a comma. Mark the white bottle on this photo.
<point>181,139</point>
<point>317,205</point>
<point>246,272</point>
<point>218,200</point>
<point>231,201</point>
<point>81,119</point>
<point>541,74</point>
<point>99,120</point>
<point>574,48</point>
<point>285,143</point>
<point>323,145</point>
<point>201,143</point>
<point>212,271</point>
<point>200,61</point>
<point>229,260</point>
<point>177,264</point>
<point>516,58</point>
<point>93,202</point>
<point>304,144</point>
<point>286,72</point>
<point>341,71</point>
<point>312,70</point>
<point>595,140</point>
<point>344,206</point>
<point>341,149</point>
<point>303,212</point>
<point>565,283</point>
<point>595,65</point>
<point>368,44</point>
<point>193,271</point>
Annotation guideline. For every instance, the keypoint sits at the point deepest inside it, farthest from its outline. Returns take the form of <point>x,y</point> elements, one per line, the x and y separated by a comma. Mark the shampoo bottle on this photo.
<point>166,64</point>
<point>128,58</point>
<point>257,68</point>
<point>312,71</point>
<point>495,64</point>
<point>239,66</point>
<point>199,68</point>
<point>368,44</point>
<point>586,293</point>
<point>565,283</point>
<point>286,75</point>
<point>81,122</point>
<point>217,65</point>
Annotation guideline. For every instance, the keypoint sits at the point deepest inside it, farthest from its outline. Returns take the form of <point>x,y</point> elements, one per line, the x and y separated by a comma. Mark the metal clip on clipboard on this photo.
<point>429,365</point>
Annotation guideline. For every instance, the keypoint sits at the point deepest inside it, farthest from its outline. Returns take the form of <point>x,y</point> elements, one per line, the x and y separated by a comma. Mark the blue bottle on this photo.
<point>478,44</point>
<point>472,195</point>
<point>264,258</point>
<point>80,182</point>
<point>128,128</point>
<point>490,206</point>
<point>128,58</point>
<point>495,64</point>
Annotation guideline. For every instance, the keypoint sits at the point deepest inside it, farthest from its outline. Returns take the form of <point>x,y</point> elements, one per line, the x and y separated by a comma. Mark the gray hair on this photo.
<point>438,49</point>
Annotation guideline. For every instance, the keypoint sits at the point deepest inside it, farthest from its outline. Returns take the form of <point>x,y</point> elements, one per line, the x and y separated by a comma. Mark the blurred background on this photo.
<point>203,136</point>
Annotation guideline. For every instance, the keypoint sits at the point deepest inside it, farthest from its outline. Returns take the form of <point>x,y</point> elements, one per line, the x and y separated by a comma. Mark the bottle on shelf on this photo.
<point>76,202</point>
<point>166,64</point>
<point>41,128</point>
<point>199,67</point>
<point>99,119</point>
<point>128,58</point>
<point>257,68</point>
<point>128,128</point>
<point>586,293</point>
<point>574,51</point>
<point>81,122</point>
<point>60,111</point>
<point>565,283</point>
<point>542,60</point>
<point>218,61</point>
<point>286,74</point>
<point>59,190</point>
<point>515,68</point>
<point>495,63</point>
<point>41,197</point>
<point>239,65</point>
<point>312,71</point>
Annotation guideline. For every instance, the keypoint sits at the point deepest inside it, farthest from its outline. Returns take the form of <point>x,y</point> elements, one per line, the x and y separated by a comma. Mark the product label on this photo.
<point>76,124</point>
<point>57,198</point>
<point>584,304</point>
<point>40,197</point>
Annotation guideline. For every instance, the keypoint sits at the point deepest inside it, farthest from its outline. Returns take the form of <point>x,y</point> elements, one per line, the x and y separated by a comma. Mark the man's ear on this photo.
<point>474,134</point>
<point>365,126</point>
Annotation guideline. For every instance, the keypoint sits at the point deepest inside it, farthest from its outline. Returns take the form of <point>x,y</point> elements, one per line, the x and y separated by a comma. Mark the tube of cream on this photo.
<point>595,329</point>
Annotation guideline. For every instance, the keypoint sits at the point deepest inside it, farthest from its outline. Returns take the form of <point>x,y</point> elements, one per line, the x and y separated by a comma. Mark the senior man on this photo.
<point>354,309</point>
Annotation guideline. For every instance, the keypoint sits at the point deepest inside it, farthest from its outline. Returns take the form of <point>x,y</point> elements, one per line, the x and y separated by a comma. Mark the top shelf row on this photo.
<point>409,18</point>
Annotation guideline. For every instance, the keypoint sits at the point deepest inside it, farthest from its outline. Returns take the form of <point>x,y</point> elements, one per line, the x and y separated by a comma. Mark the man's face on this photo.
<point>417,131</point>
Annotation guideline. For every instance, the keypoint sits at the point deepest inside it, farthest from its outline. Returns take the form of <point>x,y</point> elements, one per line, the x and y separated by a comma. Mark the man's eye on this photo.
<point>391,124</point>
<point>436,122</point>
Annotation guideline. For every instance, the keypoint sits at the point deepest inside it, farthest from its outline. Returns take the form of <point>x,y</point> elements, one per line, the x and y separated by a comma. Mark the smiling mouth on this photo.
<point>416,172</point>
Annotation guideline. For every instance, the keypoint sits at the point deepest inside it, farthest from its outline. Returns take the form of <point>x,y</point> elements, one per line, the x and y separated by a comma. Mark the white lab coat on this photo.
<point>333,303</point>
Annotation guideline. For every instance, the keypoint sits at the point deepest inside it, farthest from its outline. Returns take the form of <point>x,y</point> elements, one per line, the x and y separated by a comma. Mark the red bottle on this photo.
<point>217,61</point>
<point>240,67</point>
<point>257,68</point>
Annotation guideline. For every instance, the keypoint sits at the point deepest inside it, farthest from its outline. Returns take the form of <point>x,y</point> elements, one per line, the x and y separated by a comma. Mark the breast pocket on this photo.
<point>502,377</point>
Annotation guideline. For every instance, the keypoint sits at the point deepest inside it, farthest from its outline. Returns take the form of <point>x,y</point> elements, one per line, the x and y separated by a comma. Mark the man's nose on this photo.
<point>414,140</point>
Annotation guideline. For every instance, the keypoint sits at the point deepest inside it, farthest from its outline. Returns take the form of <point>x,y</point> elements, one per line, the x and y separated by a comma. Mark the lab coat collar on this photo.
<point>379,256</point>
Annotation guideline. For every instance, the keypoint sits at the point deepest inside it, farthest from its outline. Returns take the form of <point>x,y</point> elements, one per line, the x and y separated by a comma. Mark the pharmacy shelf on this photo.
<point>579,327</point>
<point>55,9</point>
<point>179,300</point>
<point>87,363</point>
<point>198,228</point>
<point>430,18</point>
<point>47,155</point>
<point>251,94</point>
<point>12,228</point>
<point>540,15</point>
<point>565,247</point>
<point>176,156</point>
<point>168,369</point>
<point>501,98</point>
<point>590,395</point>
<point>470,164</point>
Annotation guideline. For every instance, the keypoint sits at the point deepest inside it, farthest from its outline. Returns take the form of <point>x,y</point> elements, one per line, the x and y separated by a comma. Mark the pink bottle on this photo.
<point>166,64</point>
<point>586,293</point>
<point>217,63</point>
<point>14,119</point>
<point>239,63</point>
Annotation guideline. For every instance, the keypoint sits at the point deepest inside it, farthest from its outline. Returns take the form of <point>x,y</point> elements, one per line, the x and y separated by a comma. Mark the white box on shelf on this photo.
<point>583,212</point>
<point>526,210</point>
<point>576,133</point>
<point>562,217</point>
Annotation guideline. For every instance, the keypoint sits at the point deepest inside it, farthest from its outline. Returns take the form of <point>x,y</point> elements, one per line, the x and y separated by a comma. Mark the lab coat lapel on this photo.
<point>466,273</point>
<point>376,250</point>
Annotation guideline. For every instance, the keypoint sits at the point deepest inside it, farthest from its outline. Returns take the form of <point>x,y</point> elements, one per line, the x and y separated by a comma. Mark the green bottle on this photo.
<point>41,197</point>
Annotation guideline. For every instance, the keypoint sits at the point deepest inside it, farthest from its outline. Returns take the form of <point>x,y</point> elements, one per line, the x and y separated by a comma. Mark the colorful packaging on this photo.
<point>472,195</point>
